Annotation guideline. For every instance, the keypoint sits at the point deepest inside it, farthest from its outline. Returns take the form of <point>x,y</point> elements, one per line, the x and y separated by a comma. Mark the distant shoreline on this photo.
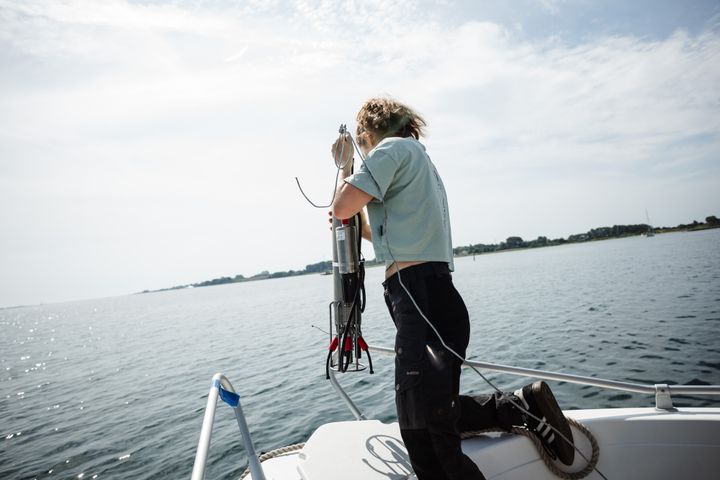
<point>511,244</point>
<point>373,263</point>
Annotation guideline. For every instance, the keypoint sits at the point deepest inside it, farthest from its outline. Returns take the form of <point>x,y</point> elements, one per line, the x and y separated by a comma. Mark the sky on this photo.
<point>146,144</point>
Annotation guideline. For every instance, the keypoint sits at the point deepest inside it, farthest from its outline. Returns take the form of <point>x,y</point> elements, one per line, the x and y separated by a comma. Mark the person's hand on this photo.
<point>342,152</point>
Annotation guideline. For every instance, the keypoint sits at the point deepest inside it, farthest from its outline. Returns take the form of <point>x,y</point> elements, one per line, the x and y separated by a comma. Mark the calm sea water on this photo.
<point>116,387</point>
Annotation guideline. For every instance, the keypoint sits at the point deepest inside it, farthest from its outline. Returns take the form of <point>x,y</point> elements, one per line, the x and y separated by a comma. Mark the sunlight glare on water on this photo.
<point>116,387</point>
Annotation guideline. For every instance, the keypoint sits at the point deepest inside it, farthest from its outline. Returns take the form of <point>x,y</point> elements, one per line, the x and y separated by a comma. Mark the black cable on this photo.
<point>341,345</point>
<point>367,352</point>
<point>327,364</point>
<point>361,265</point>
<point>346,330</point>
<point>361,284</point>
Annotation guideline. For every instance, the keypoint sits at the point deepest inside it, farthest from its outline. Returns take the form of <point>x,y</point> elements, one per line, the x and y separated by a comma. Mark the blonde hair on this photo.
<point>386,117</point>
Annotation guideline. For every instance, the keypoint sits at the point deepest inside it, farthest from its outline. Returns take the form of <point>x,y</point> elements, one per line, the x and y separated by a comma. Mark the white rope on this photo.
<point>278,452</point>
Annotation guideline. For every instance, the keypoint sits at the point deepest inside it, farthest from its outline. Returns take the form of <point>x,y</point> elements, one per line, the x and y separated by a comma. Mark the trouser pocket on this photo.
<point>410,365</point>
<point>409,400</point>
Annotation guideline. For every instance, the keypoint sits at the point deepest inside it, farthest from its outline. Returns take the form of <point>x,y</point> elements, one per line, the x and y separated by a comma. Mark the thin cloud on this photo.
<point>153,128</point>
<point>551,6</point>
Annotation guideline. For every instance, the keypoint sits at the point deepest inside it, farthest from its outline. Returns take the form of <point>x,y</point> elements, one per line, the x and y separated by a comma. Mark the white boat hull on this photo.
<point>635,443</point>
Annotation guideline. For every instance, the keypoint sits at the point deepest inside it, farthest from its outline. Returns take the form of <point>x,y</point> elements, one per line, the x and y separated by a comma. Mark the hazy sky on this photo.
<point>151,144</point>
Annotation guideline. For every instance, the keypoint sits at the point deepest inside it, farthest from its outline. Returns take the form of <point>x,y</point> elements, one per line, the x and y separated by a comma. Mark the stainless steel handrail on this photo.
<point>198,472</point>
<point>661,391</point>
<point>662,397</point>
<point>346,398</point>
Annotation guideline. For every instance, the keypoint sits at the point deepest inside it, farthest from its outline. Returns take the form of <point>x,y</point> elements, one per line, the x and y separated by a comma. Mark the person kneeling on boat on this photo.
<point>410,230</point>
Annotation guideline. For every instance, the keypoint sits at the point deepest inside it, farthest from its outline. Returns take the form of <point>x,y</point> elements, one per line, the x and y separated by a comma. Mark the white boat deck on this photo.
<point>638,443</point>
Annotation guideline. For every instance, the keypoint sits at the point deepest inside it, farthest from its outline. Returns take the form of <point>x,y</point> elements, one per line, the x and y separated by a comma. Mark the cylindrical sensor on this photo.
<point>346,238</point>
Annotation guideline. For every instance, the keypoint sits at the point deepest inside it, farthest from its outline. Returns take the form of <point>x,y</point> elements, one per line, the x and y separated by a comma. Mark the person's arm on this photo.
<point>349,200</point>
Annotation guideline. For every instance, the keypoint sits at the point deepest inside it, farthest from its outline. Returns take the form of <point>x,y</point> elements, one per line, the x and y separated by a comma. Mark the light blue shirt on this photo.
<point>409,214</point>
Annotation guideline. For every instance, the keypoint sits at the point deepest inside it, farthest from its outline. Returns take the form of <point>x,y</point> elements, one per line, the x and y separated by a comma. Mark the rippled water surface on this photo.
<point>116,388</point>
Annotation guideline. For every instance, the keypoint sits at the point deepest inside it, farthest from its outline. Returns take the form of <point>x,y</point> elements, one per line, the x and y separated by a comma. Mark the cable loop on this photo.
<point>343,131</point>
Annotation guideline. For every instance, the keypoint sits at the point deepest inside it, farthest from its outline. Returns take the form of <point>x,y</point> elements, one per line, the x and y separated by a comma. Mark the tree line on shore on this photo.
<point>600,233</point>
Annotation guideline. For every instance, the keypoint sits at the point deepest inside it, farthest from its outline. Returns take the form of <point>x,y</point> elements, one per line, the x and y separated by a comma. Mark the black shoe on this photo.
<point>540,401</point>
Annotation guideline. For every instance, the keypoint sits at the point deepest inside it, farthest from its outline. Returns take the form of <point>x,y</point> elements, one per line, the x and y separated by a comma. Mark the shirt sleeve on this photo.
<point>375,175</point>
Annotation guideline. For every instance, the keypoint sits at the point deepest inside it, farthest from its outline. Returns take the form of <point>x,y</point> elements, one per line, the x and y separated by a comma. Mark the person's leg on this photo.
<point>428,417</point>
<point>443,412</point>
<point>449,316</point>
<point>500,411</point>
<point>427,377</point>
<point>409,359</point>
<point>425,463</point>
<point>492,411</point>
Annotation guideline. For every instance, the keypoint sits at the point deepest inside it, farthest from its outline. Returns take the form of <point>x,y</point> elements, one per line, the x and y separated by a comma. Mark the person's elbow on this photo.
<point>342,210</point>
<point>349,200</point>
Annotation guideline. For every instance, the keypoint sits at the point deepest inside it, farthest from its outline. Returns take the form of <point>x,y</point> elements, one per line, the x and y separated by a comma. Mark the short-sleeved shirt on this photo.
<point>409,214</point>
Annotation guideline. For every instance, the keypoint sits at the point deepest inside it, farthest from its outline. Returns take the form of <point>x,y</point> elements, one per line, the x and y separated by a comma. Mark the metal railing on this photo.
<point>221,387</point>
<point>348,401</point>
<point>663,392</point>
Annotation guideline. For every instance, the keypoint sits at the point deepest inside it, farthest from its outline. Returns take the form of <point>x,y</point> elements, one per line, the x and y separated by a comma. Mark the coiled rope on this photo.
<point>547,460</point>
<point>278,452</point>
<point>544,456</point>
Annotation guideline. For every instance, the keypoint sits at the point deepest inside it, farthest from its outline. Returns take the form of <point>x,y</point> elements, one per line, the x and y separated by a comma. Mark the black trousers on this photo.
<point>431,413</point>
